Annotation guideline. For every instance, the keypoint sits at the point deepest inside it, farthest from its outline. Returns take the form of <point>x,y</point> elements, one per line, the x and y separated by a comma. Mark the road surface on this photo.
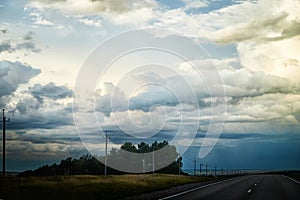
<point>255,187</point>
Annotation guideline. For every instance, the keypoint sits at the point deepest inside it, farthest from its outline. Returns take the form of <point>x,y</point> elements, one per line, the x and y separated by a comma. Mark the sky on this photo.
<point>218,79</point>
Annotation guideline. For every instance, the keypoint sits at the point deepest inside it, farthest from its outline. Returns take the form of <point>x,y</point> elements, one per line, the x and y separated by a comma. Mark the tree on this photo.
<point>141,162</point>
<point>129,154</point>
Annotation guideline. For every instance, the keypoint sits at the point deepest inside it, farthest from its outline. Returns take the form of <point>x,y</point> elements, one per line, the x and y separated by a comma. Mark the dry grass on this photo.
<point>89,187</point>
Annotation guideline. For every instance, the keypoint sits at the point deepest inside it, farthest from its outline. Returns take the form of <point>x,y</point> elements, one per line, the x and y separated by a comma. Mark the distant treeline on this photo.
<point>88,164</point>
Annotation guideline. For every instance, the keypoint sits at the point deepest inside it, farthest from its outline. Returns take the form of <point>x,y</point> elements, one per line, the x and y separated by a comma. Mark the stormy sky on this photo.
<point>252,45</point>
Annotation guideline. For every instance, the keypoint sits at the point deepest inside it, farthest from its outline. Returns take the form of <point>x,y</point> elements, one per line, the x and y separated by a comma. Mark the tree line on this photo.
<point>129,154</point>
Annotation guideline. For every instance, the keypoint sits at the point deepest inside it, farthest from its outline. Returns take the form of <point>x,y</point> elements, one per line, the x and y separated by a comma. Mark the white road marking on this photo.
<point>194,189</point>
<point>291,179</point>
<point>249,190</point>
<point>255,184</point>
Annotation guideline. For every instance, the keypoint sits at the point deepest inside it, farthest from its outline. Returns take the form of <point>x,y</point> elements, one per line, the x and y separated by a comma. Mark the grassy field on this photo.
<point>89,187</point>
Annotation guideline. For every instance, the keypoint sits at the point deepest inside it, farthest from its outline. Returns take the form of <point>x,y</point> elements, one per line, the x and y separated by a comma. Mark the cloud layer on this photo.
<point>50,91</point>
<point>25,43</point>
<point>253,44</point>
<point>94,6</point>
<point>13,74</point>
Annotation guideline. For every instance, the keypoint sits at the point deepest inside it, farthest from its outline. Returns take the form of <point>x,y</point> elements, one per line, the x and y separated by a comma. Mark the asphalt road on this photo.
<point>255,187</point>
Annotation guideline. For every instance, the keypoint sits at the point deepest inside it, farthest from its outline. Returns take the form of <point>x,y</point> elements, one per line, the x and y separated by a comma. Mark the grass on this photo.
<point>89,187</point>
<point>294,175</point>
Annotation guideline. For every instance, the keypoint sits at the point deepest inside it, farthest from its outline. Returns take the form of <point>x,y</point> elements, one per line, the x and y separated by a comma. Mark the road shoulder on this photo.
<point>173,190</point>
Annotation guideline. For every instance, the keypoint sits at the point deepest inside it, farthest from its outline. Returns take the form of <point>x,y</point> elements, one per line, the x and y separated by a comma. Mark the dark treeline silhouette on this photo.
<point>88,164</point>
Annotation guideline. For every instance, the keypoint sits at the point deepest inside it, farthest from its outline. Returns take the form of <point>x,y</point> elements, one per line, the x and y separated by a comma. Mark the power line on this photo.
<point>3,140</point>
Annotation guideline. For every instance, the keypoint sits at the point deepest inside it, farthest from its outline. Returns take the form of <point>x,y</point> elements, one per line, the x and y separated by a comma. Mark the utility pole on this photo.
<point>200,169</point>
<point>215,170</point>
<point>206,169</point>
<point>179,167</point>
<point>105,165</point>
<point>153,167</point>
<point>195,162</point>
<point>3,140</point>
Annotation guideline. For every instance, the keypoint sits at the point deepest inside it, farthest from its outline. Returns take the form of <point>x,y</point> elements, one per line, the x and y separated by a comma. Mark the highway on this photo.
<point>253,187</point>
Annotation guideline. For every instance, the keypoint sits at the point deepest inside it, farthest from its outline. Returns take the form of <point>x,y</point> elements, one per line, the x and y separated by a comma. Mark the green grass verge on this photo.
<point>89,187</point>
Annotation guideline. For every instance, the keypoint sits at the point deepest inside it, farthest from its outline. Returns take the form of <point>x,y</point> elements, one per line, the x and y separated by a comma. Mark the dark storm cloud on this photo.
<point>28,36</point>
<point>236,136</point>
<point>28,46</point>
<point>13,74</point>
<point>29,113</point>
<point>38,119</point>
<point>50,91</point>
<point>26,43</point>
<point>5,46</point>
<point>3,31</point>
<point>120,137</point>
<point>44,138</point>
<point>21,107</point>
<point>27,105</point>
<point>40,123</point>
